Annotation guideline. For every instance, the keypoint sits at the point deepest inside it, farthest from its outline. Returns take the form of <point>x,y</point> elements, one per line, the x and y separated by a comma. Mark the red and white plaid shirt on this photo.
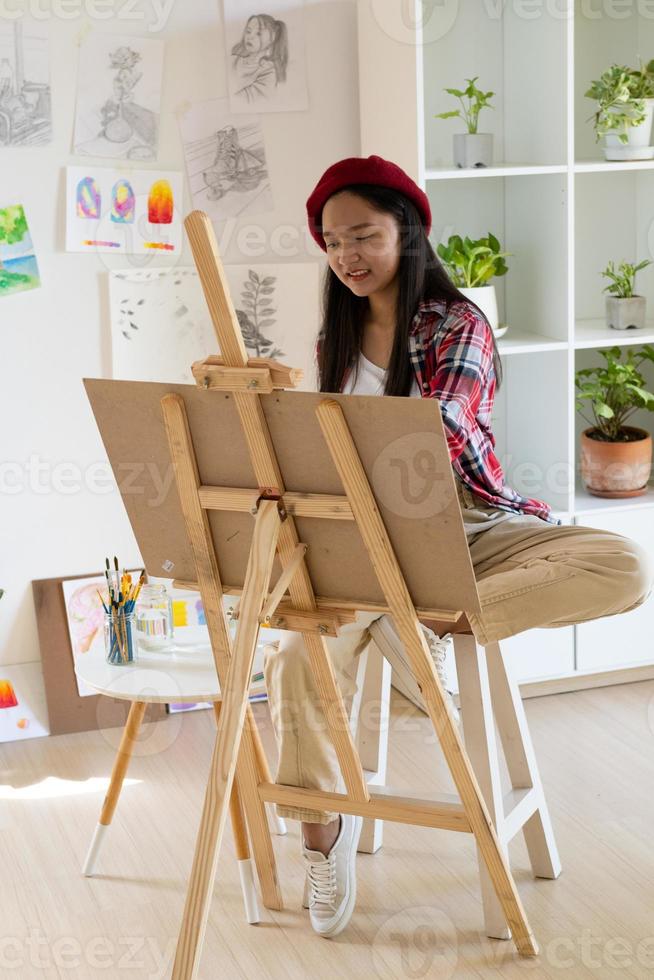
<point>451,352</point>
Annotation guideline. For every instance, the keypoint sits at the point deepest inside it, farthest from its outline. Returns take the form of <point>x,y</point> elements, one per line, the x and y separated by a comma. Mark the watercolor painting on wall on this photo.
<point>118,97</point>
<point>25,105</point>
<point>135,212</point>
<point>18,266</point>
<point>160,323</point>
<point>225,161</point>
<point>23,710</point>
<point>265,56</point>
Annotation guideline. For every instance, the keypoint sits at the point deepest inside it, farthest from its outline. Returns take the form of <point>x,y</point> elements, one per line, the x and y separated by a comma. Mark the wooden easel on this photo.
<point>275,531</point>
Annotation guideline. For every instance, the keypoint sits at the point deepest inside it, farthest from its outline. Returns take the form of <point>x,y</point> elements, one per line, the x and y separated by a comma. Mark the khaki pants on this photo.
<point>529,574</point>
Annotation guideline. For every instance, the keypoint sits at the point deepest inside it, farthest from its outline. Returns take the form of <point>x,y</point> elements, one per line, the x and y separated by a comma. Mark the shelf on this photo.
<point>587,503</point>
<point>500,170</point>
<point>595,333</point>
<point>517,341</point>
<point>605,166</point>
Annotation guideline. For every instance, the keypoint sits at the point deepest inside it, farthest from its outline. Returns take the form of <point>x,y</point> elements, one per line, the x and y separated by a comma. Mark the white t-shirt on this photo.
<point>371,380</point>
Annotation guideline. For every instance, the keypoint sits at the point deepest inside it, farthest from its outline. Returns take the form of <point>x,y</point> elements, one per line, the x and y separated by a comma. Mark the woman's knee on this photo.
<point>642,577</point>
<point>285,661</point>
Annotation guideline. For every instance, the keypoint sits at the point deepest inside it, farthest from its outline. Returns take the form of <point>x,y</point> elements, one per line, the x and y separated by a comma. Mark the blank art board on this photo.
<point>403,450</point>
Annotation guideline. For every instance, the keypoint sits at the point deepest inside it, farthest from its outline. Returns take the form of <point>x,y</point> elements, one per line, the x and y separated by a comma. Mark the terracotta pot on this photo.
<point>616,469</point>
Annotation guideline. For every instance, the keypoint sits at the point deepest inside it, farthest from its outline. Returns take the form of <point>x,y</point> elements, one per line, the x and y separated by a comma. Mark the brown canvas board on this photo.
<point>402,446</point>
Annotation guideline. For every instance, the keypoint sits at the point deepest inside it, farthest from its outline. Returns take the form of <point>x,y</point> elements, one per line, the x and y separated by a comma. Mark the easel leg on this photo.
<point>481,746</point>
<point>242,846</point>
<point>353,476</point>
<point>121,762</point>
<point>522,764</point>
<point>230,727</point>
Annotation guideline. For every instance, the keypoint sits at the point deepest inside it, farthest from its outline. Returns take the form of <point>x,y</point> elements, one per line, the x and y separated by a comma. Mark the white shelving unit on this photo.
<point>563,212</point>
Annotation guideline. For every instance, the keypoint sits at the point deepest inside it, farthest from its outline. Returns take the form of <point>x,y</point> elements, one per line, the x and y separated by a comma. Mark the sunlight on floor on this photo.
<point>52,787</point>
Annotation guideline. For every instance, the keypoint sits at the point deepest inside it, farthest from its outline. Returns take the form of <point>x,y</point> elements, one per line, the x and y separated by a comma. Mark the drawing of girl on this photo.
<point>260,58</point>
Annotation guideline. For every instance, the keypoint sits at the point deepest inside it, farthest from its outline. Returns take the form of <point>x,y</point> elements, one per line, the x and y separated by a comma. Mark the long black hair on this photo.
<point>421,277</point>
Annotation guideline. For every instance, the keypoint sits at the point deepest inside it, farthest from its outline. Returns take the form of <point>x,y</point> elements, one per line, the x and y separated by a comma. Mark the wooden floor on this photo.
<point>418,912</point>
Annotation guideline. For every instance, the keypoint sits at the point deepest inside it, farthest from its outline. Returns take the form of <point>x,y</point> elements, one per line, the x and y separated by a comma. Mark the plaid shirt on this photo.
<point>452,355</point>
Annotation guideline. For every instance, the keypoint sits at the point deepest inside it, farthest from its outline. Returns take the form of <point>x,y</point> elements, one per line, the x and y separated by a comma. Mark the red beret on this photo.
<point>363,170</point>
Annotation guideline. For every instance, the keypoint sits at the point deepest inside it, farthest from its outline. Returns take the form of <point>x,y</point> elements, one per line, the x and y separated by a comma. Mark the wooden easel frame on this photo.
<point>275,531</point>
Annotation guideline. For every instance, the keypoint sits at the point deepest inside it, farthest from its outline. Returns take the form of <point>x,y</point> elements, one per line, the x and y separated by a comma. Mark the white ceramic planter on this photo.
<point>486,299</point>
<point>638,142</point>
<point>621,314</point>
<point>473,150</point>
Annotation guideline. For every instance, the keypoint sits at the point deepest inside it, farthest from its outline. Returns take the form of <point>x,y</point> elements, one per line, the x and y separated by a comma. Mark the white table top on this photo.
<point>186,673</point>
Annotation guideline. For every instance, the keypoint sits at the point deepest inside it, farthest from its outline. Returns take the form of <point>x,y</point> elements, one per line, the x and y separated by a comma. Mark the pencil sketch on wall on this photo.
<point>119,97</point>
<point>265,56</point>
<point>225,161</point>
<point>25,105</point>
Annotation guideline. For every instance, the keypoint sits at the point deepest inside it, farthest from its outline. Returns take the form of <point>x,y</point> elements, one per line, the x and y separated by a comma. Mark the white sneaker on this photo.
<point>331,885</point>
<point>390,646</point>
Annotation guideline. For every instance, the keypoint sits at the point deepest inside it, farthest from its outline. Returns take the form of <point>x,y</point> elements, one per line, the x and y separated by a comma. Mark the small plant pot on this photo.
<point>626,313</point>
<point>486,299</point>
<point>473,150</point>
<point>616,469</point>
<point>638,142</point>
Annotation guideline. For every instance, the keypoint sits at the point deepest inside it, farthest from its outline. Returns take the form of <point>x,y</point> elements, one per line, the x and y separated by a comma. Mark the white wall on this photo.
<point>64,519</point>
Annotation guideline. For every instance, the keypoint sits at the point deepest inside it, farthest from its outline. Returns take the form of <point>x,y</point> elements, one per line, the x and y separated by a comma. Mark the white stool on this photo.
<point>164,678</point>
<point>488,694</point>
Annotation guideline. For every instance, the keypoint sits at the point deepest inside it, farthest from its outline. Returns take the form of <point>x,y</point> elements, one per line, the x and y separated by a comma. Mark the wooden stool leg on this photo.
<point>242,847</point>
<point>121,762</point>
<point>481,746</point>
<point>521,764</point>
<point>372,737</point>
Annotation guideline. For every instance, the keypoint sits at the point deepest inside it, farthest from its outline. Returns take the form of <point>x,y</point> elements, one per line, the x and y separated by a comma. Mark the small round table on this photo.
<point>185,673</point>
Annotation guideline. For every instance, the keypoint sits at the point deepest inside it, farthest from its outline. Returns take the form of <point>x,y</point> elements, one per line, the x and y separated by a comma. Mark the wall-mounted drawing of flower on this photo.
<point>255,314</point>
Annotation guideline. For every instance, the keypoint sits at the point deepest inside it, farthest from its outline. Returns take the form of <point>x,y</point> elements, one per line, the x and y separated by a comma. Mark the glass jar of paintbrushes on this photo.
<point>120,638</point>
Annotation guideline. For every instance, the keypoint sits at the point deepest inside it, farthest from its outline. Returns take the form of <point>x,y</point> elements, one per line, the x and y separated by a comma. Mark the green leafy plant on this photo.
<point>620,93</point>
<point>621,281</point>
<point>615,391</point>
<point>472,262</point>
<point>469,112</point>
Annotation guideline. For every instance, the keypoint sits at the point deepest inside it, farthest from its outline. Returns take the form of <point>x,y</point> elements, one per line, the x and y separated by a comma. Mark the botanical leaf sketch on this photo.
<point>225,161</point>
<point>277,306</point>
<point>119,97</point>
<point>265,55</point>
<point>256,315</point>
<point>25,110</point>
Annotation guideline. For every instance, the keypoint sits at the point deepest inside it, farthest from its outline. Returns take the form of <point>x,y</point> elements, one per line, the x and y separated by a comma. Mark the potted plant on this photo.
<point>616,459</point>
<point>624,309</point>
<point>470,265</point>
<point>471,149</point>
<point>625,105</point>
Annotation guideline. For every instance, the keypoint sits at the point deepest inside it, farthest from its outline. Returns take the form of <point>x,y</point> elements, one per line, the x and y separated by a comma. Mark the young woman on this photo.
<point>394,324</point>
